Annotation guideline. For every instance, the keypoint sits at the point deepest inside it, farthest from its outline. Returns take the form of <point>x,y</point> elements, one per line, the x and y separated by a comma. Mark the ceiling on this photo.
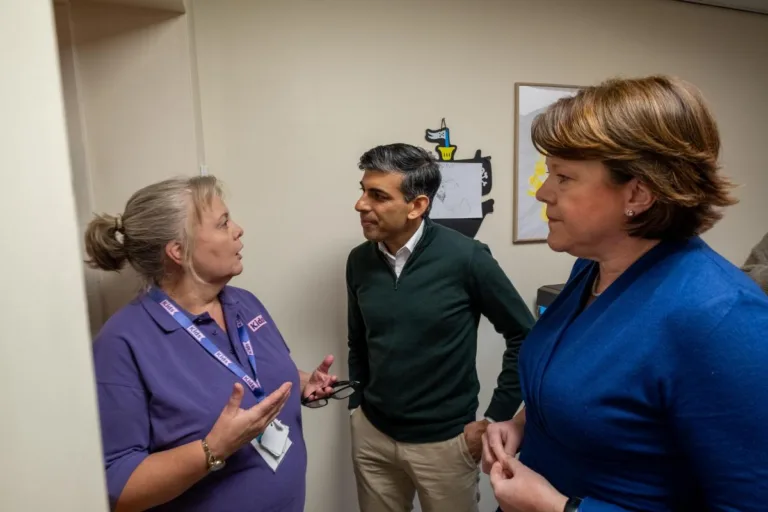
<point>757,6</point>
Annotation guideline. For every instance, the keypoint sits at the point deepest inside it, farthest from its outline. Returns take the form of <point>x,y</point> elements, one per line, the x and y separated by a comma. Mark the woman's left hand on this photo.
<point>520,489</point>
<point>320,381</point>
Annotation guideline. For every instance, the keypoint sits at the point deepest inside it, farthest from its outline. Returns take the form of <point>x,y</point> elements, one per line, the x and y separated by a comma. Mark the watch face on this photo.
<point>216,465</point>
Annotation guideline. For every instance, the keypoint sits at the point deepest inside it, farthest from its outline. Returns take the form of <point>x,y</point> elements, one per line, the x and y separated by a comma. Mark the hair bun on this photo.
<point>104,249</point>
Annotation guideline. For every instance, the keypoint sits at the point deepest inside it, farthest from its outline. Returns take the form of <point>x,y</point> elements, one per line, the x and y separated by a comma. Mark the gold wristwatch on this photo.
<point>214,463</point>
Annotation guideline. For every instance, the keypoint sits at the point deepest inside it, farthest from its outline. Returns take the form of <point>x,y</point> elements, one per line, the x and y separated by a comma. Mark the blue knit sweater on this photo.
<point>655,397</point>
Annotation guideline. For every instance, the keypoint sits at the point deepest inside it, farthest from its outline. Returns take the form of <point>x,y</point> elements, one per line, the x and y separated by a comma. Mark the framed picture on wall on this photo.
<point>529,215</point>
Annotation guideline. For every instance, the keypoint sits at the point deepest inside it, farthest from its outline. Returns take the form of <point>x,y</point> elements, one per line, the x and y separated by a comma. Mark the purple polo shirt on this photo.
<point>159,389</point>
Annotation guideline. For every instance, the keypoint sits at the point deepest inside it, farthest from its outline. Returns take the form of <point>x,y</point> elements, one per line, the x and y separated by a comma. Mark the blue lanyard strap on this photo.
<point>183,320</point>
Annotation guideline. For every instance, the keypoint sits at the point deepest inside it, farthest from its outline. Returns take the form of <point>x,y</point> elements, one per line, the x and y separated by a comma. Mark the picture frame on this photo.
<point>529,169</point>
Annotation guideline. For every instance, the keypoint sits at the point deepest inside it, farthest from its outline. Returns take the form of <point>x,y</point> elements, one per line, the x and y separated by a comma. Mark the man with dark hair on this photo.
<point>416,291</point>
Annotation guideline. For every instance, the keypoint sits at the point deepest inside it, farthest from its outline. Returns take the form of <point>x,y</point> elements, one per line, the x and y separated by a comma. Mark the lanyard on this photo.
<point>183,320</point>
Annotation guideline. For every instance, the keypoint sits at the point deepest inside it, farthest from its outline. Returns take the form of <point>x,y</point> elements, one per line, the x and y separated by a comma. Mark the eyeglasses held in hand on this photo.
<point>341,390</point>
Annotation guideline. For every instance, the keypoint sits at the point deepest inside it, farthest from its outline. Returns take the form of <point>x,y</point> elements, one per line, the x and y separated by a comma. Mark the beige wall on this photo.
<point>293,92</point>
<point>128,89</point>
<point>48,424</point>
<point>81,179</point>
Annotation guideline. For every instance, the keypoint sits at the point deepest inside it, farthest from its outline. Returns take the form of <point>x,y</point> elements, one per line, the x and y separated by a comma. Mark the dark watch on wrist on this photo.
<point>572,505</point>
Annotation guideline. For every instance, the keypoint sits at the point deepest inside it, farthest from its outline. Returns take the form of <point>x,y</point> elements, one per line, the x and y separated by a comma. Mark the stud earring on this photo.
<point>629,213</point>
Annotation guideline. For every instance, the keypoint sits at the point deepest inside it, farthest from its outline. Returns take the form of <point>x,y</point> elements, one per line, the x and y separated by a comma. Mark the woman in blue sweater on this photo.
<point>646,381</point>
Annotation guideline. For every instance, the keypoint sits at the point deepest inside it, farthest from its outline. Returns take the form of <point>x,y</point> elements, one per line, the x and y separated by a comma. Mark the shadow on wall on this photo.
<point>97,21</point>
<point>117,290</point>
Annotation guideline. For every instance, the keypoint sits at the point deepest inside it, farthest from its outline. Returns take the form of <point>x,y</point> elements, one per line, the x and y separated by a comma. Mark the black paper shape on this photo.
<point>446,152</point>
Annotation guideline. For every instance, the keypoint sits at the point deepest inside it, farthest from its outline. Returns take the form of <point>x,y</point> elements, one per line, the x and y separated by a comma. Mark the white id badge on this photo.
<point>274,444</point>
<point>274,438</point>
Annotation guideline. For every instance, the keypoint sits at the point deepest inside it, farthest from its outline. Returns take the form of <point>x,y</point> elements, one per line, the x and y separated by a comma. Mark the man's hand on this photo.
<point>473,435</point>
<point>319,383</point>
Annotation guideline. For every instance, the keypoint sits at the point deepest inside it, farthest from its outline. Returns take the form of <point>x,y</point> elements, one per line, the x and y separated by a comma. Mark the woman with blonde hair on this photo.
<point>199,399</point>
<point>645,383</point>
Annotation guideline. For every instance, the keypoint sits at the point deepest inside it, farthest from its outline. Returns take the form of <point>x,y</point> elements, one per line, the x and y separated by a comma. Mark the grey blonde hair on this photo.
<point>154,216</point>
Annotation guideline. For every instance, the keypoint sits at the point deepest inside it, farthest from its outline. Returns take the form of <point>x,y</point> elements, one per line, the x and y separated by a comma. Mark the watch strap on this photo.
<point>572,505</point>
<point>211,460</point>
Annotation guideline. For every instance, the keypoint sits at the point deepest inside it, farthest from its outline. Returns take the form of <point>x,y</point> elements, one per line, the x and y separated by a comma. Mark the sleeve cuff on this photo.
<point>119,472</point>
<point>498,411</point>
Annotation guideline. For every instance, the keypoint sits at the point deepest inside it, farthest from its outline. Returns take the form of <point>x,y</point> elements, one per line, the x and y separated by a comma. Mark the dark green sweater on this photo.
<point>413,340</point>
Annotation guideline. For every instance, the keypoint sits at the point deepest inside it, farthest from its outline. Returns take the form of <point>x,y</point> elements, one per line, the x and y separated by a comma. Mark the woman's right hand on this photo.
<point>237,427</point>
<point>501,440</point>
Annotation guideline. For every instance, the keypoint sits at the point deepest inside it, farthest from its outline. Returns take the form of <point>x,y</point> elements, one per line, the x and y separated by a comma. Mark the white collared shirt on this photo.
<point>397,262</point>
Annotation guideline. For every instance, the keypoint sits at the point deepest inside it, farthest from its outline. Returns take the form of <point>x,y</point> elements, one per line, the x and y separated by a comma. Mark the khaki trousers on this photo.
<point>390,473</point>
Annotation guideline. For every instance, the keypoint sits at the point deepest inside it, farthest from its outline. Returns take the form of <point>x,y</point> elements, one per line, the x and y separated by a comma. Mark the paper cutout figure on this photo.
<point>460,193</point>
<point>458,203</point>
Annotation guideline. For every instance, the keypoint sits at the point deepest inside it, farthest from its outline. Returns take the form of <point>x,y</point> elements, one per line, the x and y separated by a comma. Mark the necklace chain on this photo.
<point>594,287</point>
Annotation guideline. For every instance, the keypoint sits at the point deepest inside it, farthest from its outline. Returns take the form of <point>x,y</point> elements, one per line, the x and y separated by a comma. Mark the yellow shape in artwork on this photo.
<point>536,181</point>
<point>539,175</point>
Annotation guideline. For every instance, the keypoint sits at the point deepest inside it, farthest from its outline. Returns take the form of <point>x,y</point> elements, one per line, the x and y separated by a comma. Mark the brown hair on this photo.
<point>656,129</point>
<point>155,215</point>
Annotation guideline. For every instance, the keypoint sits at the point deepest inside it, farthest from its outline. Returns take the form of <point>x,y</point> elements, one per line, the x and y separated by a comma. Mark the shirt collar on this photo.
<point>227,297</point>
<point>410,245</point>
<point>167,322</point>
